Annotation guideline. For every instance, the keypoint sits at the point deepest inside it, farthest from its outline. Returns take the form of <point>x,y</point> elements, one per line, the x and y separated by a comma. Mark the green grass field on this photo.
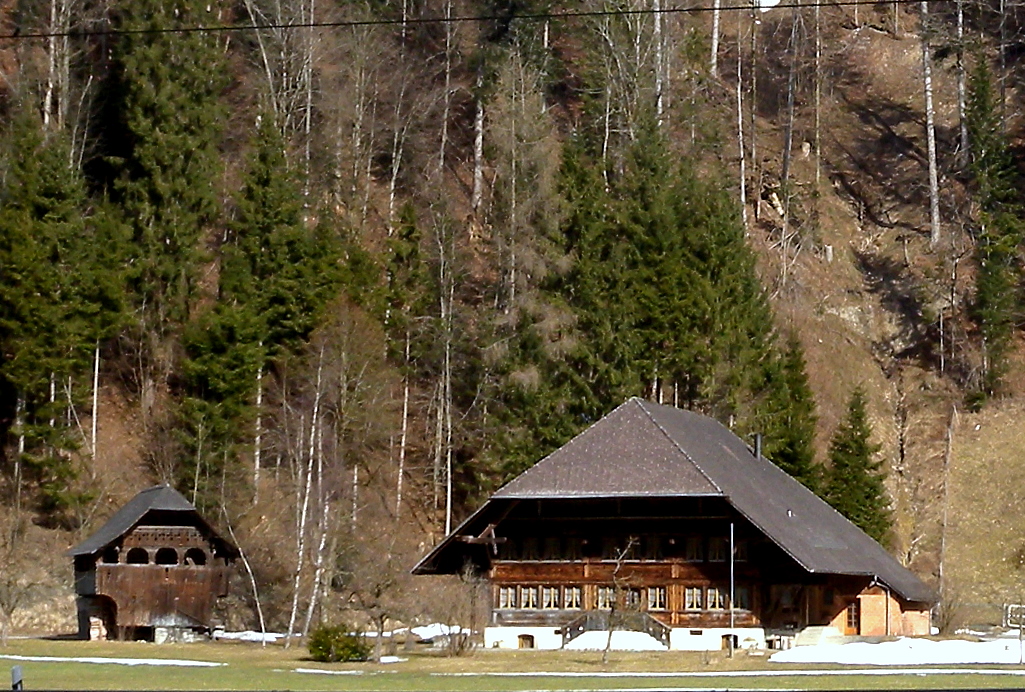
<point>252,667</point>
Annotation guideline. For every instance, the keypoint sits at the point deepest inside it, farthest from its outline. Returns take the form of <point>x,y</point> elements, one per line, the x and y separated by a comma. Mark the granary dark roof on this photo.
<point>642,449</point>
<point>159,498</point>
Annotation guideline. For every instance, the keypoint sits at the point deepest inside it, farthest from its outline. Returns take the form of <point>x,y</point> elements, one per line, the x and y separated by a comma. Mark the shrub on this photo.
<point>335,644</point>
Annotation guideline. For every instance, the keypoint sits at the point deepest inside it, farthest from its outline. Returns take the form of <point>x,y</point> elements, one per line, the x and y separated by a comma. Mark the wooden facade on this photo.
<point>670,559</point>
<point>696,541</point>
<point>155,570</point>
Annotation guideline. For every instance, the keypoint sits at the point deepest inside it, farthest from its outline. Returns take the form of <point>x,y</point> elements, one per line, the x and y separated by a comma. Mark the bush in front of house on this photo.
<point>337,644</point>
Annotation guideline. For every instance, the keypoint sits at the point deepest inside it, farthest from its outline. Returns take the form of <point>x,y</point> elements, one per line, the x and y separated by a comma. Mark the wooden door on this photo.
<point>852,621</point>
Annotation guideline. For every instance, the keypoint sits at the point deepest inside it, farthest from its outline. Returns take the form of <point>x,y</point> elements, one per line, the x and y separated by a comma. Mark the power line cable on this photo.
<point>18,35</point>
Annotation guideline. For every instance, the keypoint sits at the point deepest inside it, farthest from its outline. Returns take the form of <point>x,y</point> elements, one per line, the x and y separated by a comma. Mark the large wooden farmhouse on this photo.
<point>666,522</point>
<point>153,571</point>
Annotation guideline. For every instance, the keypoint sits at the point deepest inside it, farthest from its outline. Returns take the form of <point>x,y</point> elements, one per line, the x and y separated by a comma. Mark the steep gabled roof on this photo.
<point>643,449</point>
<point>159,498</point>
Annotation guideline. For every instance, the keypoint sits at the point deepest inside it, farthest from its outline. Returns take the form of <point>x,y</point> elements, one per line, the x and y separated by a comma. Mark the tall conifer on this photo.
<point>1000,230</point>
<point>664,299</point>
<point>788,418</point>
<point>854,480</point>
<point>277,274</point>
<point>170,84</point>
<point>60,295</point>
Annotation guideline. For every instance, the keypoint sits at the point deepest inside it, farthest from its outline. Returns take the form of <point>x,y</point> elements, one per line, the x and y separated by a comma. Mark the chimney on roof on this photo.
<point>758,445</point>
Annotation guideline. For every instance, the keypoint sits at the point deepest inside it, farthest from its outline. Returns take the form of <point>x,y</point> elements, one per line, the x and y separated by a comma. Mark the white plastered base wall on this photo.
<point>510,637</point>
<point>680,639</point>
<point>713,638</point>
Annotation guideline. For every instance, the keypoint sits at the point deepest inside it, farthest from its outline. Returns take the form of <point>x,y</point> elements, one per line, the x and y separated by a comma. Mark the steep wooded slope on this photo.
<point>423,160</point>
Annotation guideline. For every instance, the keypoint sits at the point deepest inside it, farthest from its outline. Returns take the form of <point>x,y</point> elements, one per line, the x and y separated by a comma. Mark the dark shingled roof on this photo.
<point>159,498</point>
<point>643,449</point>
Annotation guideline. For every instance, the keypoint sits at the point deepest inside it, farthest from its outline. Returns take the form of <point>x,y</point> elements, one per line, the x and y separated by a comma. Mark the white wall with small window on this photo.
<point>522,638</point>
<point>715,638</point>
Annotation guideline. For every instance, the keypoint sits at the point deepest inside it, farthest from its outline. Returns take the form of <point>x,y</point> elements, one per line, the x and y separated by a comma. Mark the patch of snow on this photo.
<point>435,629</point>
<point>249,636</point>
<point>875,672</point>
<point>621,641</point>
<point>321,671</point>
<point>117,661</point>
<point>905,652</point>
<point>392,659</point>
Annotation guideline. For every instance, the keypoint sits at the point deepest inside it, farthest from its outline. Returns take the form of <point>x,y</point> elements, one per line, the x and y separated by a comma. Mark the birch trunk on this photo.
<point>448,88</point>
<point>961,89</point>
<point>318,565</point>
<point>756,169</point>
<point>447,403</point>
<point>403,436</point>
<point>19,423</point>
<point>1002,56</point>
<point>96,401</point>
<point>58,62</point>
<point>713,67</point>
<point>397,147</point>
<point>740,121</point>
<point>478,151</point>
<point>258,437</point>
<point>252,577</point>
<point>659,64</point>
<point>307,78</point>
<point>930,119</point>
<point>818,101</point>
<point>304,512</point>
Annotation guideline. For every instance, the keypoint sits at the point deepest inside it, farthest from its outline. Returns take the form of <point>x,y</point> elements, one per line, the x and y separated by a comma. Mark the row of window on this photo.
<point>651,598</point>
<point>690,548</point>
<point>162,556</point>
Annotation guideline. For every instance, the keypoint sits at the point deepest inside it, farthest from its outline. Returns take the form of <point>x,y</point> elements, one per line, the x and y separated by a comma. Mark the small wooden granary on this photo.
<point>153,571</point>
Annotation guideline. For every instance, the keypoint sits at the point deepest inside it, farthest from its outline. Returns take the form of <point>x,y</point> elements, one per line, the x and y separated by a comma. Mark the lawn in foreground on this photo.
<point>252,667</point>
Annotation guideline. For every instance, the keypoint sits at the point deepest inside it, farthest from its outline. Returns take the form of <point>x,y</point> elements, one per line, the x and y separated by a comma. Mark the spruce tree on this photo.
<point>274,262</point>
<point>788,422</point>
<point>854,480</point>
<point>168,99</point>
<point>60,295</point>
<point>1000,229</point>
<point>277,274</point>
<point>662,298</point>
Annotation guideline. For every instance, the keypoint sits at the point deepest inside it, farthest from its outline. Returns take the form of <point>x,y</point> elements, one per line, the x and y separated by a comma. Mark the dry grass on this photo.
<point>252,667</point>
<point>986,524</point>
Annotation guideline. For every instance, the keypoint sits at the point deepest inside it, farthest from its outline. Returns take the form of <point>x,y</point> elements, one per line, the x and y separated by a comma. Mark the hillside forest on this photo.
<point>336,271</point>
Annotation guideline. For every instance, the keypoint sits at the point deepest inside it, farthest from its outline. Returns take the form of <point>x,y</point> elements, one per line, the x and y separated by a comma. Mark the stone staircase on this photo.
<point>813,636</point>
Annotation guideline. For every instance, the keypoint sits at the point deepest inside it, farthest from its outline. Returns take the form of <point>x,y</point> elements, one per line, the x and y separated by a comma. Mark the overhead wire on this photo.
<point>18,35</point>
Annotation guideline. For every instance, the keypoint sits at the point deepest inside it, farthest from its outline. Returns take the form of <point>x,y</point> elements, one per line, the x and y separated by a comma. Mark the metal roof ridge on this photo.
<point>641,403</point>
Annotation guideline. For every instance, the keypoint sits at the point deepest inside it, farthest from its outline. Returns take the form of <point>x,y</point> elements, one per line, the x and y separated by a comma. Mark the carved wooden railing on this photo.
<point>598,621</point>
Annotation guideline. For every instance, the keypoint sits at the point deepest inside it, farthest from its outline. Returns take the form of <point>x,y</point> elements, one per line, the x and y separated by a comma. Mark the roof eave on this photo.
<point>424,566</point>
<point>601,496</point>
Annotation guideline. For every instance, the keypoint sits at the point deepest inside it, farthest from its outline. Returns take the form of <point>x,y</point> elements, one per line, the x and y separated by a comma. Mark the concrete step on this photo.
<point>813,636</point>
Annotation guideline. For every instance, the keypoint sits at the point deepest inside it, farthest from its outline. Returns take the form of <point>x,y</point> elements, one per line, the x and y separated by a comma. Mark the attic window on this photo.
<point>167,556</point>
<point>109,556</point>
<point>195,556</point>
<point>718,549</point>
<point>138,556</point>
<point>694,550</point>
